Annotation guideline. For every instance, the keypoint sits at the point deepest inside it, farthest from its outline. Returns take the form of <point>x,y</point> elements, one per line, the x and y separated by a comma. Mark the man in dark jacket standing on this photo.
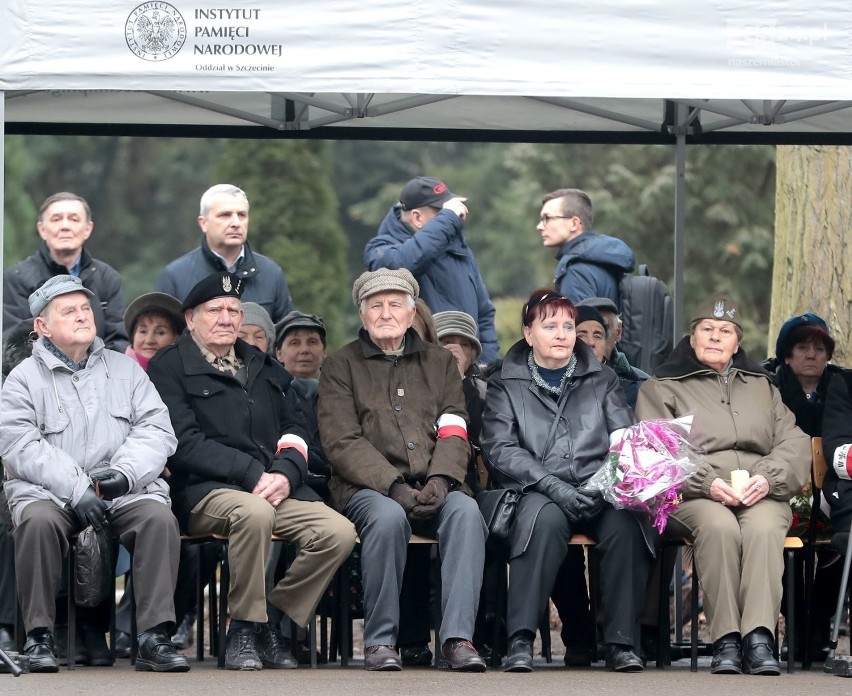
<point>240,469</point>
<point>394,427</point>
<point>64,224</point>
<point>590,264</point>
<point>224,222</point>
<point>423,233</point>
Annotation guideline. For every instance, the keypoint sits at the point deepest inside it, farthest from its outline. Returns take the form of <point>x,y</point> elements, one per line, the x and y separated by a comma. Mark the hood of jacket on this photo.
<point>683,363</point>
<point>601,249</point>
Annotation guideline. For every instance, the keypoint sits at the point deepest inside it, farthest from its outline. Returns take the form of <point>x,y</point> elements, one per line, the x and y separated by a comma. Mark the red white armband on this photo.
<point>842,463</point>
<point>450,425</point>
<point>295,442</point>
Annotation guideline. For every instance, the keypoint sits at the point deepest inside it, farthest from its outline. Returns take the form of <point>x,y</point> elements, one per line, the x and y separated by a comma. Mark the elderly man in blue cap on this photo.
<point>84,441</point>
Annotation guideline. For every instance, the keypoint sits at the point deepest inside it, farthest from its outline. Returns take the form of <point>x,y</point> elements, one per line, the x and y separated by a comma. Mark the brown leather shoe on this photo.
<point>382,658</point>
<point>459,654</point>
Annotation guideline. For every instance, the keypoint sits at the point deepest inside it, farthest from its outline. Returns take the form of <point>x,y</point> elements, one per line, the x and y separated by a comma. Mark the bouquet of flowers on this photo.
<point>646,467</point>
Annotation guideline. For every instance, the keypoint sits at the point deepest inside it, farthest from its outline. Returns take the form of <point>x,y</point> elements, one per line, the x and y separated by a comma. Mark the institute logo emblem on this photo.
<point>155,31</point>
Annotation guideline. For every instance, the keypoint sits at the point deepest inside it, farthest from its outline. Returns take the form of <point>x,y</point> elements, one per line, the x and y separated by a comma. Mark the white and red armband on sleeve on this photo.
<point>294,441</point>
<point>450,425</point>
<point>842,463</point>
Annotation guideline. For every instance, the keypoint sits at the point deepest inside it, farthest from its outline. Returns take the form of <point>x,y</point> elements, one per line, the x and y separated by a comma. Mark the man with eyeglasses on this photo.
<point>423,233</point>
<point>590,264</point>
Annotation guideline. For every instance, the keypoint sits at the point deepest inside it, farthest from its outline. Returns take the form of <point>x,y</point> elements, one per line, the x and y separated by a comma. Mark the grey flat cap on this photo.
<point>54,287</point>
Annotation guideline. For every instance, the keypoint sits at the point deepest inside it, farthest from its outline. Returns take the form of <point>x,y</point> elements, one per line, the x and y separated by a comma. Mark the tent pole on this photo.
<point>681,116</point>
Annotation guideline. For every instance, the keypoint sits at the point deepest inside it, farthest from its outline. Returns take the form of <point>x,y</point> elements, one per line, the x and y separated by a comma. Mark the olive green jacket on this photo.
<point>740,421</point>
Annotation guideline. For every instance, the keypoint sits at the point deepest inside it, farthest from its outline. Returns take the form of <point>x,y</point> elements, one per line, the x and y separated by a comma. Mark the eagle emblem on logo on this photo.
<point>155,31</point>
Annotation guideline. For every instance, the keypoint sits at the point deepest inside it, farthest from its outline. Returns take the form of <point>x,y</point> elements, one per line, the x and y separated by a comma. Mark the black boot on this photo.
<point>520,653</point>
<point>157,654</point>
<point>757,653</point>
<point>727,655</point>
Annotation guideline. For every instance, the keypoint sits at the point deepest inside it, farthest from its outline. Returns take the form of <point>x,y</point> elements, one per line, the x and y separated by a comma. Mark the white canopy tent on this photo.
<point>630,71</point>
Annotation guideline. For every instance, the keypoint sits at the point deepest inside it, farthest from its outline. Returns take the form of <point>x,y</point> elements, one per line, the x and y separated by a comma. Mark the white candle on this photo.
<point>739,478</point>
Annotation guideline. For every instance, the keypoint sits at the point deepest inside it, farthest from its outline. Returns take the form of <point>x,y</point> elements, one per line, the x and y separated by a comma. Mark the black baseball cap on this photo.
<point>425,190</point>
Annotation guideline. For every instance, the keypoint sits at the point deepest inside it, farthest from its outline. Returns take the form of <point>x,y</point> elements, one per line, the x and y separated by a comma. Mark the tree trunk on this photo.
<point>813,212</point>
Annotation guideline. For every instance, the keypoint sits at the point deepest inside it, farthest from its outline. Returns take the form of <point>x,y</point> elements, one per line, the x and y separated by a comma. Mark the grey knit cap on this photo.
<point>256,315</point>
<point>384,280</point>
<point>453,323</point>
<point>54,287</point>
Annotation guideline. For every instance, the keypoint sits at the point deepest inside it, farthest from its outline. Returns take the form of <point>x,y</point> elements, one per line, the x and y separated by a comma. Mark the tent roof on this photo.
<point>474,68</point>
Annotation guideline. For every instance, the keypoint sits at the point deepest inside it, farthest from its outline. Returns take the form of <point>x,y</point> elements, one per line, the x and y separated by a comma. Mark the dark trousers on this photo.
<point>570,595</point>
<point>624,559</point>
<point>146,527</point>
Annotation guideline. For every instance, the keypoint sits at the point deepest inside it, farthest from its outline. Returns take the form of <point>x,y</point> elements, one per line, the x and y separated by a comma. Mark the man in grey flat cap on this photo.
<point>84,441</point>
<point>394,428</point>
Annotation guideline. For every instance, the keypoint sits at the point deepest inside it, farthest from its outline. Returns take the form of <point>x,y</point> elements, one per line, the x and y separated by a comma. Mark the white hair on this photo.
<point>219,190</point>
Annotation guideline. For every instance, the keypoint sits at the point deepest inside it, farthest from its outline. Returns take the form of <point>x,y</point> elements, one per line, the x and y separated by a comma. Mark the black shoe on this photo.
<point>273,650</point>
<point>184,637</point>
<point>95,646</point>
<point>382,658</point>
<point>757,653</point>
<point>122,644</point>
<point>41,649</point>
<point>519,654</point>
<point>578,656</point>
<point>416,655</point>
<point>621,658</point>
<point>727,655</point>
<point>241,649</point>
<point>157,654</point>
<point>459,654</point>
<point>7,640</point>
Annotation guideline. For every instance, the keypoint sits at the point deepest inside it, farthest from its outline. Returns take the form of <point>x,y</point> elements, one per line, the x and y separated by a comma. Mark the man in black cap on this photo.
<point>240,468</point>
<point>423,233</point>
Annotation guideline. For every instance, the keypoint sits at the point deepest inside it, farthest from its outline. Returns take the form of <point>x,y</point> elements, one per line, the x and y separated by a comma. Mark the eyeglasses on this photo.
<point>547,218</point>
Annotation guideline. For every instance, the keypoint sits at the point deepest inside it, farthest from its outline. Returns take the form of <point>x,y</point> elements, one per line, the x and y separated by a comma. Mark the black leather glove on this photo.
<point>403,494</point>
<point>577,503</point>
<point>596,506</point>
<point>110,484</point>
<point>91,510</point>
<point>431,499</point>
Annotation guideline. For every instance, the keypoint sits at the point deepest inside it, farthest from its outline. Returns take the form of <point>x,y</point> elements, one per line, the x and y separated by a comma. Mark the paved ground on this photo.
<point>204,679</point>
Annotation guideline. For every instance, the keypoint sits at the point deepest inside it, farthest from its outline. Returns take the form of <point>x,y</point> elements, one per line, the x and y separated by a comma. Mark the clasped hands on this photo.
<point>272,487</point>
<point>424,504</point>
<point>755,489</point>
<point>578,504</point>
<point>91,509</point>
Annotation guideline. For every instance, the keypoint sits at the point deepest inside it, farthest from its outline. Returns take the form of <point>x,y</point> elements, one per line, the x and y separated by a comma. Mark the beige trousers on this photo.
<point>739,553</point>
<point>325,539</point>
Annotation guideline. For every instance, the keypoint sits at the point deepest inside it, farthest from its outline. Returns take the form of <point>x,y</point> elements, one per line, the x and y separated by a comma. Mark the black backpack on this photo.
<point>647,317</point>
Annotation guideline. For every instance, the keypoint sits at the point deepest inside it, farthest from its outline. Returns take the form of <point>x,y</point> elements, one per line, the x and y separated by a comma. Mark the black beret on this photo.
<point>221,284</point>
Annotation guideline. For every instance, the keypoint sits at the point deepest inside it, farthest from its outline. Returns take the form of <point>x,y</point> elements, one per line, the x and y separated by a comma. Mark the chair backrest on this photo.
<point>819,467</point>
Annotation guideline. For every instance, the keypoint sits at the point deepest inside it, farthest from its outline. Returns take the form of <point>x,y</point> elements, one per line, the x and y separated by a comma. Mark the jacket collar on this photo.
<point>683,363</point>
<point>195,364</point>
<point>246,266</point>
<point>515,362</point>
<point>53,363</point>
<point>413,344</point>
<point>59,269</point>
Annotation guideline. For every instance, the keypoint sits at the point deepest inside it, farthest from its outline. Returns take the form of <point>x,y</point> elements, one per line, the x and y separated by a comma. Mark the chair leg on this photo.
<point>810,562</point>
<point>693,629</point>
<point>345,629</point>
<point>544,632</point>
<point>224,583</point>
<point>134,629</point>
<point>663,620</point>
<point>500,606</point>
<point>199,609</point>
<point>791,620</point>
<point>70,643</point>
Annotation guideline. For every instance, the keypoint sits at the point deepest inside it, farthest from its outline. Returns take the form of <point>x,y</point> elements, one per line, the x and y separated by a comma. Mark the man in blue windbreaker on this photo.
<point>423,233</point>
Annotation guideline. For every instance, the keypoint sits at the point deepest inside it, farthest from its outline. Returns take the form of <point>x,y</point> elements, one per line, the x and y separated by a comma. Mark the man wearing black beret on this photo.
<point>240,471</point>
